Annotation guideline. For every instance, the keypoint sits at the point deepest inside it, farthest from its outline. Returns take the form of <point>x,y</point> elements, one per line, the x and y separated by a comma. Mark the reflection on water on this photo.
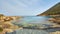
<point>39,20</point>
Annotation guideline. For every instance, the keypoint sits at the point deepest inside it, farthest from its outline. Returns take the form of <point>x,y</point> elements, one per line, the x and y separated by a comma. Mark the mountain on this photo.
<point>55,10</point>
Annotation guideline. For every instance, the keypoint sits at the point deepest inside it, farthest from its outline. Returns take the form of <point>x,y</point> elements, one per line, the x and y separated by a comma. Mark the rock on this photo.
<point>57,32</point>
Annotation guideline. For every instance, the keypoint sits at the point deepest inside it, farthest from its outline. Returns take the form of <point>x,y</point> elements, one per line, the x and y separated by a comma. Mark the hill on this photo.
<point>55,10</point>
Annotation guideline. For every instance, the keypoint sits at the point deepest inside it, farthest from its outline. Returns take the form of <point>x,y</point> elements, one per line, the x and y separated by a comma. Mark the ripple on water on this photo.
<point>30,31</point>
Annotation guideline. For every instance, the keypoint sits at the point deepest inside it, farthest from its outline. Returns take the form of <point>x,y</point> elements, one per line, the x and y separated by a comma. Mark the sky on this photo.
<point>25,7</point>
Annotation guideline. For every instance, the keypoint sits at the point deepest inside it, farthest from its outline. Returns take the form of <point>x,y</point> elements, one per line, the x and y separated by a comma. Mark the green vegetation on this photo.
<point>55,10</point>
<point>1,29</point>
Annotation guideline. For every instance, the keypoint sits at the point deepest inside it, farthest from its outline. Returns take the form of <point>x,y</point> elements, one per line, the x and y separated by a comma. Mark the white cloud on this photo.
<point>22,7</point>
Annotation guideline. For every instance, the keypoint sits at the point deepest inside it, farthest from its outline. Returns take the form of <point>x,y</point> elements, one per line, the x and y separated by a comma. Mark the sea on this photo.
<point>42,21</point>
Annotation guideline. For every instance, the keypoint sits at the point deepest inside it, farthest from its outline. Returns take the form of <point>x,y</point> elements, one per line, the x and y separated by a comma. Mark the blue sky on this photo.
<point>25,7</point>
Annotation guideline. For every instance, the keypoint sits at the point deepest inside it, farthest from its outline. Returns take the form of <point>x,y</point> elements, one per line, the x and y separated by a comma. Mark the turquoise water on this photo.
<point>33,19</point>
<point>40,20</point>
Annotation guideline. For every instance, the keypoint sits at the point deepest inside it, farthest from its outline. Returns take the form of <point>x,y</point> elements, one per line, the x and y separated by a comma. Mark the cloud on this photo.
<point>24,7</point>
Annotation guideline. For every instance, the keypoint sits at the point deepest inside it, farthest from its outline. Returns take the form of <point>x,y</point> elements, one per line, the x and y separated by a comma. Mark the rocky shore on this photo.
<point>7,26</point>
<point>56,20</point>
<point>57,32</point>
<point>6,23</point>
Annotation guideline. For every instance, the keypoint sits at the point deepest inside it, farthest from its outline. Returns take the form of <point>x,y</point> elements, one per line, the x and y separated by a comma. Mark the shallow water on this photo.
<point>40,20</point>
<point>29,31</point>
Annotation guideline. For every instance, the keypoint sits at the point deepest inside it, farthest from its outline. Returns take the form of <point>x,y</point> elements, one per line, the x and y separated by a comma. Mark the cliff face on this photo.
<point>55,10</point>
